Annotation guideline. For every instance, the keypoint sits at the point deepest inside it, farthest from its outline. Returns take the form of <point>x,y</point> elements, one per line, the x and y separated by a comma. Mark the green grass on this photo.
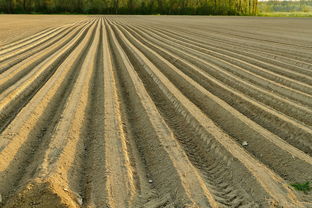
<point>305,187</point>
<point>285,14</point>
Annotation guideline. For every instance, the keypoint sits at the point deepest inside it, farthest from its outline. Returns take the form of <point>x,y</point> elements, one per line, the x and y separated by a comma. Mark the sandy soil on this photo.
<point>15,27</point>
<point>133,111</point>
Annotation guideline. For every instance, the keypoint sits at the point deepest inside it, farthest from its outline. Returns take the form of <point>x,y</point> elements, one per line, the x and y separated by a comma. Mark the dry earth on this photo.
<point>14,27</point>
<point>156,111</point>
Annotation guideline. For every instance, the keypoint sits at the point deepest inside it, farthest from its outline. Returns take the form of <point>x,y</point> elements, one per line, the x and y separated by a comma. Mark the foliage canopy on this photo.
<point>187,7</point>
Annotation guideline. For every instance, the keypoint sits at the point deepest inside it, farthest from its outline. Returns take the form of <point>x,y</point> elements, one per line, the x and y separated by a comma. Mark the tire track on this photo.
<point>147,65</point>
<point>200,100</point>
<point>188,189</point>
<point>298,131</point>
<point>224,192</point>
<point>118,111</point>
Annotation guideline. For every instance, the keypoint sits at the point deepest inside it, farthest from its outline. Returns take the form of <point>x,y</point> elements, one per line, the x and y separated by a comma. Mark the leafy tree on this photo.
<point>190,7</point>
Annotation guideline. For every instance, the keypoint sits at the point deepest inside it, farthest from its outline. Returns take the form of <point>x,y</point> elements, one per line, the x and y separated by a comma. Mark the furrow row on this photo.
<point>17,90</point>
<point>294,132</point>
<point>14,60</point>
<point>289,49</point>
<point>153,56</point>
<point>121,112</point>
<point>280,59</point>
<point>251,71</point>
<point>252,57</point>
<point>24,45</point>
<point>167,163</point>
<point>205,100</point>
<point>22,143</point>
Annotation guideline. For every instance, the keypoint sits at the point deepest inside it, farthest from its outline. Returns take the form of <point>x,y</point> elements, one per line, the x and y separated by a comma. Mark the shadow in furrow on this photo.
<point>92,154</point>
<point>35,146</point>
<point>280,161</point>
<point>212,170</point>
<point>289,132</point>
<point>21,57</point>
<point>18,104</point>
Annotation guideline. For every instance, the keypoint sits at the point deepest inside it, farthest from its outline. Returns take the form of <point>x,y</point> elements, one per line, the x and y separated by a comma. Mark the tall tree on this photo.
<point>233,7</point>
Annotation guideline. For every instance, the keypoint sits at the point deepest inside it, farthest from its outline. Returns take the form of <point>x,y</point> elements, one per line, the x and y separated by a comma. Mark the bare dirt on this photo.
<point>15,27</point>
<point>156,111</point>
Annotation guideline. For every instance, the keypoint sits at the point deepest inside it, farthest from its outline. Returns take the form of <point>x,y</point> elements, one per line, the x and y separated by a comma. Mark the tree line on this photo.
<point>285,6</point>
<point>176,7</point>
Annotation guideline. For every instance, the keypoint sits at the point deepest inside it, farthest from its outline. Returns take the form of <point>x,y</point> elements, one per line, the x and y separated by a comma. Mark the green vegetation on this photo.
<point>305,187</point>
<point>285,14</point>
<point>301,8</point>
<point>185,7</point>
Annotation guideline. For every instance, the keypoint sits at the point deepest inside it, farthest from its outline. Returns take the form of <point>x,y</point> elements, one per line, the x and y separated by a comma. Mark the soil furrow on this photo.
<point>201,98</point>
<point>26,45</point>
<point>93,173</point>
<point>188,117</point>
<point>16,72</point>
<point>208,39</point>
<point>236,82</point>
<point>22,142</point>
<point>297,134</point>
<point>252,58</point>
<point>5,65</point>
<point>61,157</point>
<point>267,46</point>
<point>22,43</point>
<point>244,74</point>
<point>105,154</point>
<point>200,158</point>
<point>19,50</point>
<point>36,35</point>
<point>26,39</point>
<point>14,98</point>
<point>166,172</point>
<point>156,112</point>
<point>249,70</point>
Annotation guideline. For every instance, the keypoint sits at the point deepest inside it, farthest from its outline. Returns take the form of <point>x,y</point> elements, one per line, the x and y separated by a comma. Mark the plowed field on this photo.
<point>148,111</point>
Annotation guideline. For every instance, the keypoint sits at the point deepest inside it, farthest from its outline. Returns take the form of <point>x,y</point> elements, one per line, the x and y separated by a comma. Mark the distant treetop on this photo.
<point>178,7</point>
